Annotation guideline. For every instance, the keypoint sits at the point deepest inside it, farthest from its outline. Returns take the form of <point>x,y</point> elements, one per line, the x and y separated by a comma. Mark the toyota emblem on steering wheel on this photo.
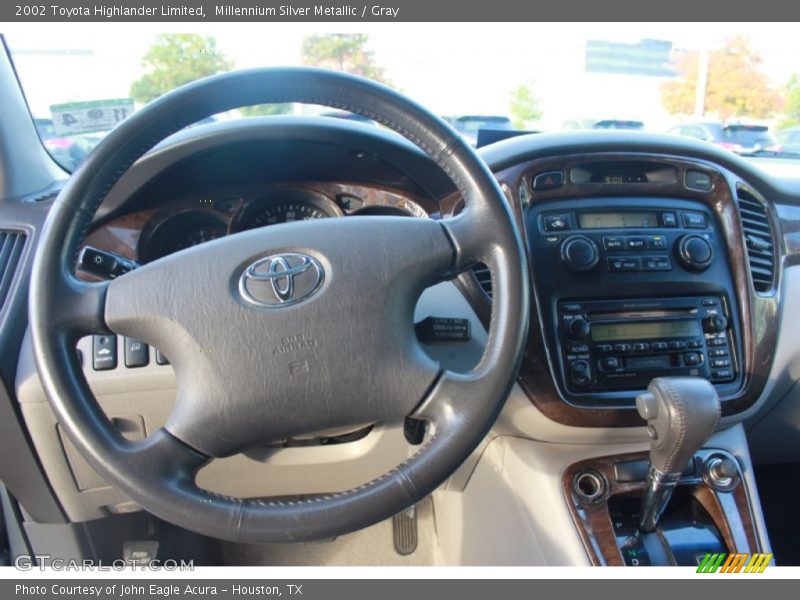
<point>281,280</point>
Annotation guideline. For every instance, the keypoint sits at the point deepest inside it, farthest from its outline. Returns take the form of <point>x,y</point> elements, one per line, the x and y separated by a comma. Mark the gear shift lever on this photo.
<point>681,414</point>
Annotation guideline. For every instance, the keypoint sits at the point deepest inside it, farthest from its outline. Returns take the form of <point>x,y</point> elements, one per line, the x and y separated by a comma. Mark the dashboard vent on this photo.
<point>484,277</point>
<point>46,197</point>
<point>11,245</point>
<point>759,241</point>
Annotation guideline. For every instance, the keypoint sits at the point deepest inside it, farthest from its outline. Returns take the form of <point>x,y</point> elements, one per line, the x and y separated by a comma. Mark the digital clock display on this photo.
<point>617,220</point>
<point>610,332</point>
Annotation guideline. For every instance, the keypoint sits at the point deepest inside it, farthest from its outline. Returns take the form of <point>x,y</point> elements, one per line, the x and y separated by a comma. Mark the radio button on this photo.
<point>659,346</point>
<point>718,363</point>
<point>610,363</point>
<point>579,349</point>
<point>641,347</point>
<point>624,264</point>
<point>622,348</point>
<point>722,374</point>
<point>709,302</point>
<point>716,341</point>
<point>693,358</point>
<point>694,344</point>
<point>613,243</point>
<point>715,352</point>
<point>571,307</point>
<point>580,373</point>
<point>604,348</point>
<point>677,345</point>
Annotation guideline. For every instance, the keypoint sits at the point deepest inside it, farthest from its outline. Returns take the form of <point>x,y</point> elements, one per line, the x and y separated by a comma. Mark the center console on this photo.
<point>630,289</point>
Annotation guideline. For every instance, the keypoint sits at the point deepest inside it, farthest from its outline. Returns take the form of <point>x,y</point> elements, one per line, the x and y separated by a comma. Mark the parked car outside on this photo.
<point>738,137</point>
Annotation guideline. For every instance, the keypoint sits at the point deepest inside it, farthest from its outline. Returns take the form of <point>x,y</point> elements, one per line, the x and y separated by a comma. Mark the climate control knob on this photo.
<point>694,253</point>
<point>579,253</point>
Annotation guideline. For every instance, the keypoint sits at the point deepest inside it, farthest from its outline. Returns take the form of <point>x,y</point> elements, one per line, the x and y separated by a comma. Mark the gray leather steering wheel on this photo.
<point>249,372</point>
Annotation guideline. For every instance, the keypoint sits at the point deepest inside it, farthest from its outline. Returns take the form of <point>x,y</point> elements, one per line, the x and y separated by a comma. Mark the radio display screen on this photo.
<point>617,220</point>
<point>609,332</point>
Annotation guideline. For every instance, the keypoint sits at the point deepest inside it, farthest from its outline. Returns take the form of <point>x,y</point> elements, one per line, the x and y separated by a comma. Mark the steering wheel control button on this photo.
<point>697,180</point>
<point>281,280</point>
<point>694,253</point>
<point>579,253</point>
<point>552,223</point>
<point>160,358</point>
<point>442,330</point>
<point>104,352</point>
<point>693,220</point>
<point>137,354</point>
<point>548,180</point>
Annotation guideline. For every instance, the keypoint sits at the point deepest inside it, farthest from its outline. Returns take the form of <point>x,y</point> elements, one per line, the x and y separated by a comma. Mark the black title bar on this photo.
<point>394,11</point>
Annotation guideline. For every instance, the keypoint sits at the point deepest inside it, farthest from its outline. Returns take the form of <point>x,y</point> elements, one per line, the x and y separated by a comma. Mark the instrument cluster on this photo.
<point>201,218</point>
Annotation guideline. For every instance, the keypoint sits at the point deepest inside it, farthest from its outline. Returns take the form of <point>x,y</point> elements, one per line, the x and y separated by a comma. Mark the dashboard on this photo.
<point>646,259</point>
<point>648,256</point>
<point>207,214</point>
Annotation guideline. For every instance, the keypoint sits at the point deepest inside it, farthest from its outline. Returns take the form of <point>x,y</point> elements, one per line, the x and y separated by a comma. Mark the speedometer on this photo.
<point>284,206</point>
<point>169,233</point>
<point>286,212</point>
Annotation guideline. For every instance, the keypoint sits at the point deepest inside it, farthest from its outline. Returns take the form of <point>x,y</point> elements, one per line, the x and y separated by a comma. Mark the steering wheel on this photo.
<point>281,331</point>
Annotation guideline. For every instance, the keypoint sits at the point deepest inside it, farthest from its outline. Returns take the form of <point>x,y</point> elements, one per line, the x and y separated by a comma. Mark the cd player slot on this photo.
<point>644,314</point>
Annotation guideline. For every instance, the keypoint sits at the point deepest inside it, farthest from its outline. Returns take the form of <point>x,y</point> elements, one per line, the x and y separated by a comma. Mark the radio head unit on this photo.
<point>623,344</point>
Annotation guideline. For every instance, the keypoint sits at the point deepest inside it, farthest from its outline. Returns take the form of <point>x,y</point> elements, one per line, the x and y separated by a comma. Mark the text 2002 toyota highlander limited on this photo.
<point>571,349</point>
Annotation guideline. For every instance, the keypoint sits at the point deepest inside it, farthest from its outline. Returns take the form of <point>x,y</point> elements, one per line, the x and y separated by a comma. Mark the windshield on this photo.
<point>696,80</point>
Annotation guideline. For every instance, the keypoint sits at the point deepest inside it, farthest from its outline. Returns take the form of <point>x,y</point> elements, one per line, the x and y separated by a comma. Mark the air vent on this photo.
<point>759,241</point>
<point>484,277</point>
<point>11,244</point>
<point>46,197</point>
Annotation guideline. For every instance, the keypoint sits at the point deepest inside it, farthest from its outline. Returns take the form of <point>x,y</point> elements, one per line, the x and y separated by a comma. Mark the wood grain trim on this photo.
<point>121,234</point>
<point>594,522</point>
<point>758,315</point>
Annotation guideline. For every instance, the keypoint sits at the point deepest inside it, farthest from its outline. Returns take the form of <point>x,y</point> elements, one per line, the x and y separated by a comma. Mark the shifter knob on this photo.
<point>681,414</point>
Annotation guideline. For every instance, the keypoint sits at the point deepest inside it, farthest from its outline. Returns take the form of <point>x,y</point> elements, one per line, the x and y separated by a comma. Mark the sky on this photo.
<point>454,68</point>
